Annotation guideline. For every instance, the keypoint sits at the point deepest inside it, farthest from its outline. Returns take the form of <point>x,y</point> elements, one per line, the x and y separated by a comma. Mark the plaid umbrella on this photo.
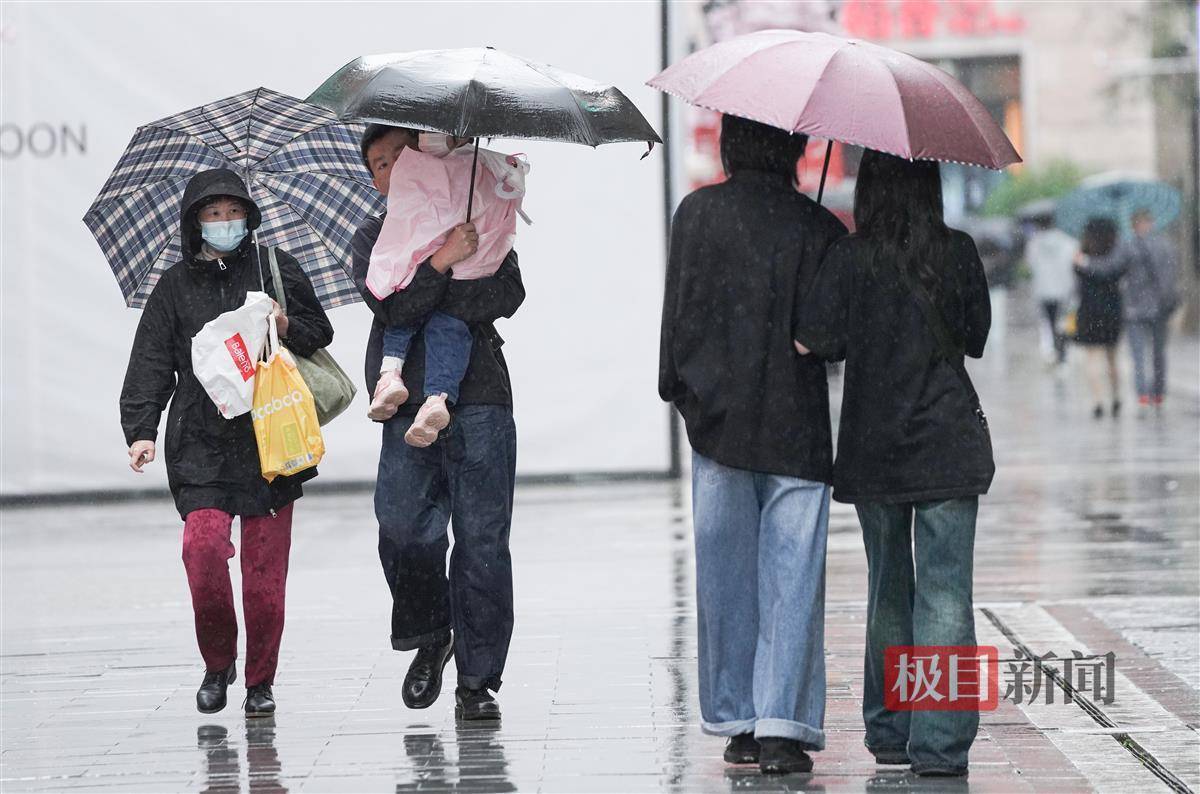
<point>300,163</point>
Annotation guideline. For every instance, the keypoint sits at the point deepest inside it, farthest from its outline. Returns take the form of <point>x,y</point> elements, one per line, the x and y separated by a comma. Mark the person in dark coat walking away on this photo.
<point>742,254</point>
<point>1149,295</point>
<point>466,476</point>
<point>212,462</point>
<point>1099,266</point>
<point>902,300</point>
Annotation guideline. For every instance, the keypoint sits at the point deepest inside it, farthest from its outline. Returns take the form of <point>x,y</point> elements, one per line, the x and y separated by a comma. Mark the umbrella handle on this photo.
<point>471,193</point>
<point>824,170</point>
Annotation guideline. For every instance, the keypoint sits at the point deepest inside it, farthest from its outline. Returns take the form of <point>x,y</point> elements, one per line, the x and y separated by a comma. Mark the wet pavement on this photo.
<point>1088,542</point>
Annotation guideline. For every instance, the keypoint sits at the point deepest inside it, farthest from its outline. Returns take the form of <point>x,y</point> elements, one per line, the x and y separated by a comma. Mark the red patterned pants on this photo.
<point>207,549</point>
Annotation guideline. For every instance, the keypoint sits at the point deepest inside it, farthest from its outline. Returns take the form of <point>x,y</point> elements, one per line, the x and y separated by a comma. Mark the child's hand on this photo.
<point>461,243</point>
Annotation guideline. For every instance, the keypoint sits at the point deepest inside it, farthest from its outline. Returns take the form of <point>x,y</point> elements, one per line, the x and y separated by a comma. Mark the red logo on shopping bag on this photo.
<point>941,678</point>
<point>241,357</point>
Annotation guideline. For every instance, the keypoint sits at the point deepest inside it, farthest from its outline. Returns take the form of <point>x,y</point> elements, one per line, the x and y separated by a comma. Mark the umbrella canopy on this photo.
<point>301,165</point>
<point>481,92</point>
<point>1117,195</point>
<point>842,90</point>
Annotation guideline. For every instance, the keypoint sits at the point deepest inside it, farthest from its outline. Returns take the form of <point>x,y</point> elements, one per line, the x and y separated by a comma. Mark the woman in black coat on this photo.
<point>212,462</point>
<point>902,300</point>
<point>1098,270</point>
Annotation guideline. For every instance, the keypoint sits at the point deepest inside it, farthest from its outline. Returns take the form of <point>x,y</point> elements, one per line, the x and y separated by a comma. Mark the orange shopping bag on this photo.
<point>283,413</point>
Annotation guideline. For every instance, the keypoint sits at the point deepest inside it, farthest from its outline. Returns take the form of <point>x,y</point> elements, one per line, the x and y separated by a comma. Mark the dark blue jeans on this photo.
<point>928,603</point>
<point>465,477</point>
<point>447,351</point>
<point>1148,344</point>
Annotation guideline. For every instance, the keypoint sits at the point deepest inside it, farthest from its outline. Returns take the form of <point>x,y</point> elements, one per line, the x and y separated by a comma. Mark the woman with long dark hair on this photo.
<point>757,417</point>
<point>902,300</point>
<point>1098,270</point>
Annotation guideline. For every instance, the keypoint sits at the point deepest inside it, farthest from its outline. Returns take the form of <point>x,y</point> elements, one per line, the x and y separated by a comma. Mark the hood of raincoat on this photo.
<point>206,185</point>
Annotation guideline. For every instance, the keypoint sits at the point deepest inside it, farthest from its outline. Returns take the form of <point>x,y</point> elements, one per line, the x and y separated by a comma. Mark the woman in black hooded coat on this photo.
<point>212,462</point>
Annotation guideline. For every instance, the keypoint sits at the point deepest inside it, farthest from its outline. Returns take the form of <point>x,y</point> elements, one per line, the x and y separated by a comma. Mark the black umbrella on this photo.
<point>481,92</point>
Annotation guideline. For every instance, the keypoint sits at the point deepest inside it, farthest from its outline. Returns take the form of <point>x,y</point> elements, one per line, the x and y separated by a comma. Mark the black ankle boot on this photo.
<point>742,749</point>
<point>423,683</point>
<point>782,757</point>
<point>260,701</point>
<point>210,697</point>
<point>475,704</point>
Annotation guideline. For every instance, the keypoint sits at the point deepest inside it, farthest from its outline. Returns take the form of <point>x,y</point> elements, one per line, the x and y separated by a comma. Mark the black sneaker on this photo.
<point>899,757</point>
<point>475,704</point>
<point>260,701</point>
<point>782,757</point>
<point>210,697</point>
<point>741,749</point>
<point>941,772</point>
<point>423,682</point>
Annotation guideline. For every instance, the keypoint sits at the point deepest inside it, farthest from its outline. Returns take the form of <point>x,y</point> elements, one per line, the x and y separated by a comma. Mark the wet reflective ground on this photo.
<point>1089,542</point>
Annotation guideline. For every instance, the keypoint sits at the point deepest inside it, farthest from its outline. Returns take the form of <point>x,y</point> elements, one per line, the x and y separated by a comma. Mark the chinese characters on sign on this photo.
<point>926,19</point>
<point>966,677</point>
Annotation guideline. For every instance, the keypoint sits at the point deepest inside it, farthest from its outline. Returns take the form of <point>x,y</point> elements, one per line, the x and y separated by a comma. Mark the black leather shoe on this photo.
<point>741,749</point>
<point>210,697</point>
<point>423,683</point>
<point>260,701</point>
<point>782,757</point>
<point>475,704</point>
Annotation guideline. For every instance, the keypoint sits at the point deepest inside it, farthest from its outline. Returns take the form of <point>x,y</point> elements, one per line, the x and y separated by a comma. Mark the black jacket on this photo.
<point>908,430</point>
<point>742,256</point>
<point>211,461</point>
<point>477,302</point>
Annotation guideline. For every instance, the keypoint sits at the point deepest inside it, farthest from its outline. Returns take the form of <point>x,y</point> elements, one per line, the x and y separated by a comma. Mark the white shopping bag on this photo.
<point>226,350</point>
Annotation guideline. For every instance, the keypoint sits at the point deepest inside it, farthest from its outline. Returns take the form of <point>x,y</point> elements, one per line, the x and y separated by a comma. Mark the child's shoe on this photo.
<point>433,418</point>
<point>390,394</point>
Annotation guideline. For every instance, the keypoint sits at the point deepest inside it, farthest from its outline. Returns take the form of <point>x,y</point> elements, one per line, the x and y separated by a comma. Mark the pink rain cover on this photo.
<point>427,197</point>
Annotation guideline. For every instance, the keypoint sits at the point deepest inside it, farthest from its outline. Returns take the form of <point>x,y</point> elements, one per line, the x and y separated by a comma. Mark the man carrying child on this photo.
<point>465,476</point>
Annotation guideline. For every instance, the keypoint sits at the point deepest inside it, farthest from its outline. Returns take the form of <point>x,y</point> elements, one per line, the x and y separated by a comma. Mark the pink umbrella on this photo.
<point>840,89</point>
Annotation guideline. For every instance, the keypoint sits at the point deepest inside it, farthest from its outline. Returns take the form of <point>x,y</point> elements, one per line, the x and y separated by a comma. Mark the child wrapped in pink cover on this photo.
<point>427,198</point>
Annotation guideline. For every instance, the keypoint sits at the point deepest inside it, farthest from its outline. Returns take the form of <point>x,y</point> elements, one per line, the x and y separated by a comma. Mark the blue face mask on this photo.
<point>224,235</point>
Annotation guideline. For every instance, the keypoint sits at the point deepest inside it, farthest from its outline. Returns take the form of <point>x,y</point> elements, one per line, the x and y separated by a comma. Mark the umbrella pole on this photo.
<point>471,194</point>
<point>824,170</point>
